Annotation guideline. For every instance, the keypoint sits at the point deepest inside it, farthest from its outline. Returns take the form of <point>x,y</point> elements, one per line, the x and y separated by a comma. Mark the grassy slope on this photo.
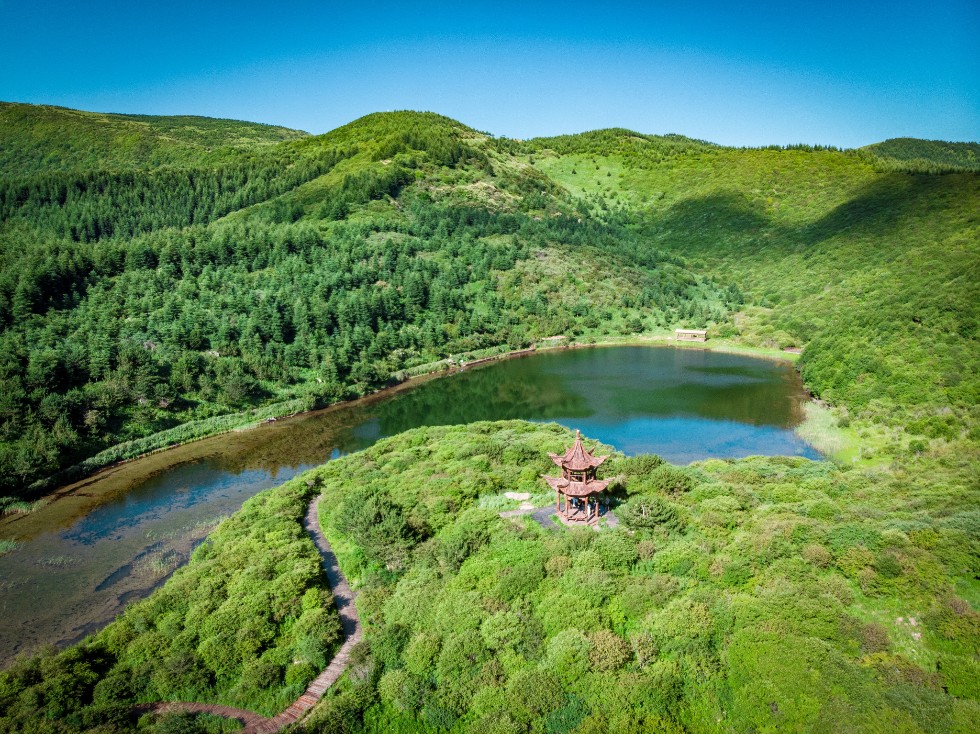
<point>779,593</point>
<point>41,138</point>
<point>874,271</point>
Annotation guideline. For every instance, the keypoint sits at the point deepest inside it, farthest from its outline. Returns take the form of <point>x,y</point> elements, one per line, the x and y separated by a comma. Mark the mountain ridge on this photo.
<point>184,130</point>
<point>36,138</point>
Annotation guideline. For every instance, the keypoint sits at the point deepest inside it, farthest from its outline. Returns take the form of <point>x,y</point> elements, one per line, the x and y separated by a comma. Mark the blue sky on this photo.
<point>744,73</point>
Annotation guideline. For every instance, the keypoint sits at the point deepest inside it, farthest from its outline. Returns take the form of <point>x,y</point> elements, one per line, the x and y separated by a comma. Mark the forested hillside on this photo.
<point>874,273</point>
<point>137,301</point>
<point>138,298</point>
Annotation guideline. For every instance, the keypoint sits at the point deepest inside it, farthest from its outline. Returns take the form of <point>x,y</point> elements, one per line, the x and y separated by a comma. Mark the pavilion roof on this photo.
<point>577,489</point>
<point>577,458</point>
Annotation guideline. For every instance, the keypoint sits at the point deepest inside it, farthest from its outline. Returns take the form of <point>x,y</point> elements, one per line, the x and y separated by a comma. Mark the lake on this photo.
<point>112,538</point>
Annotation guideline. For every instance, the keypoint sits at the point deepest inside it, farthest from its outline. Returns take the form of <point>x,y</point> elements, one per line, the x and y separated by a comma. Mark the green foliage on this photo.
<point>313,269</point>
<point>649,512</point>
<point>664,479</point>
<point>184,723</point>
<point>609,651</point>
<point>148,304</point>
<point>492,624</point>
<point>926,156</point>
<point>862,266</point>
<point>154,301</point>
<point>247,623</point>
<point>41,138</point>
<point>499,625</point>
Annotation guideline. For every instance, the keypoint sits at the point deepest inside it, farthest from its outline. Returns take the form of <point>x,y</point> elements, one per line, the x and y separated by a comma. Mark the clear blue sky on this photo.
<point>739,73</point>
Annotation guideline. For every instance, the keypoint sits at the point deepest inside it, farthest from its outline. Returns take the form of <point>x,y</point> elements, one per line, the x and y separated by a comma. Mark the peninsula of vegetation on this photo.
<point>163,279</point>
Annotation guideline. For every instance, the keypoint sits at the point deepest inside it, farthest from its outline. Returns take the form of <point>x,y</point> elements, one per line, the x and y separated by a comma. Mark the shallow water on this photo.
<point>112,538</point>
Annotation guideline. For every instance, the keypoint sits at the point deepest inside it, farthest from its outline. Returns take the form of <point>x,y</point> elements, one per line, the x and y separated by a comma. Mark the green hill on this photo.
<point>927,155</point>
<point>873,272</point>
<point>304,273</point>
<point>41,138</point>
<point>403,237</point>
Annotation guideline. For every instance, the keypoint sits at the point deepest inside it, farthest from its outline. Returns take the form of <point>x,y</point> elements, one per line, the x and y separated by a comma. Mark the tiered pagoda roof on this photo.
<point>577,458</point>
<point>578,471</point>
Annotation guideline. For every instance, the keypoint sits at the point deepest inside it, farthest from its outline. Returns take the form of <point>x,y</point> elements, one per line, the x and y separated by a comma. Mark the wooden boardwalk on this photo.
<point>343,598</point>
<point>248,718</point>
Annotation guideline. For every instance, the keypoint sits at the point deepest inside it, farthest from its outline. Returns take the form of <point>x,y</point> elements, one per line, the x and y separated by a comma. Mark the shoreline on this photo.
<point>80,475</point>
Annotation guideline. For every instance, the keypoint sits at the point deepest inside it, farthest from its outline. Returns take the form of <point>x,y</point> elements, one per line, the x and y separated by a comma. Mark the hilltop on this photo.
<point>41,138</point>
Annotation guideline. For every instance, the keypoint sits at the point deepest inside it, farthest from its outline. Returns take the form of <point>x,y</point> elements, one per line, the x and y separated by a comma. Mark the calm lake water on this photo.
<point>112,538</point>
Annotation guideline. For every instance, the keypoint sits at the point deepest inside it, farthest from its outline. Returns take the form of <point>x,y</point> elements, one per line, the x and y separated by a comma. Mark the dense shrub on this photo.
<point>521,629</point>
<point>648,512</point>
<point>247,623</point>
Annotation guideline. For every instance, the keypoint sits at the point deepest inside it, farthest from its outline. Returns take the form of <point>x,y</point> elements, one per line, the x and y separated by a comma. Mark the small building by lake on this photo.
<point>690,335</point>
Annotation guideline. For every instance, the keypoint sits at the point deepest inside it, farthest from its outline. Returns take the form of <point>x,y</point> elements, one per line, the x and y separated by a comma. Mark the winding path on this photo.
<point>343,598</point>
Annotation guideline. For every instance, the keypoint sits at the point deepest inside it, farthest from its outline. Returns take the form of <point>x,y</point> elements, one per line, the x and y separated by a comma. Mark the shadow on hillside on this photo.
<point>882,206</point>
<point>737,221</point>
<point>714,219</point>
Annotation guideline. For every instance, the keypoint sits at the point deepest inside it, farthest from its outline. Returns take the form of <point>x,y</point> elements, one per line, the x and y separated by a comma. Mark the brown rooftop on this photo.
<point>577,458</point>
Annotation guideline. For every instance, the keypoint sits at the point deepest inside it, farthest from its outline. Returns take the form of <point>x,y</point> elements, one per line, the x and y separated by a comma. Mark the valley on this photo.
<point>163,280</point>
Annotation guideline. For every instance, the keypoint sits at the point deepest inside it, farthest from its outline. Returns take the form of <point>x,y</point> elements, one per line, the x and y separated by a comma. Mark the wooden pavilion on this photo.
<point>577,483</point>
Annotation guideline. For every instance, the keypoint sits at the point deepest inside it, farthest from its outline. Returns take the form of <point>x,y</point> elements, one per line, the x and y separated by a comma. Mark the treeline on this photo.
<point>96,205</point>
<point>614,141</point>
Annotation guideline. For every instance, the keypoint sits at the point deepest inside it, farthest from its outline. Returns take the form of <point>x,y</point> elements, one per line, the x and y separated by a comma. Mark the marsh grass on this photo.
<point>156,565</point>
<point>821,430</point>
<point>13,505</point>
